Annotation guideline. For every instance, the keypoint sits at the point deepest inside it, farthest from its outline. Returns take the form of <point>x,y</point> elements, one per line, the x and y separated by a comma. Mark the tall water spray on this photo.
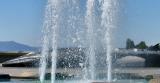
<point>50,39</point>
<point>70,20</point>
<point>108,22</point>
<point>55,26</point>
<point>46,43</point>
<point>90,37</point>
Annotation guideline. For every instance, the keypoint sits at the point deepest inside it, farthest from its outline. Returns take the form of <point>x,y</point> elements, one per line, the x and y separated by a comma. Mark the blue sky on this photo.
<point>141,21</point>
<point>21,21</point>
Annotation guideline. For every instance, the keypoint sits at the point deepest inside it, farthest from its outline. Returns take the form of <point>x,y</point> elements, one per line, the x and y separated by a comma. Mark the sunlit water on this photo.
<point>108,22</point>
<point>64,13</point>
<point>51,25</point>
<point>91,58</point>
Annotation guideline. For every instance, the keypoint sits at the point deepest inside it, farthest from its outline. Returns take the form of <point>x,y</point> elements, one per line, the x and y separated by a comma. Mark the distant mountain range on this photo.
<point>14,46</point>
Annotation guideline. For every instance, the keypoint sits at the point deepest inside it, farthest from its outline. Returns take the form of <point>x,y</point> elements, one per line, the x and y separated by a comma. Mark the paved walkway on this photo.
<point>34,72</point>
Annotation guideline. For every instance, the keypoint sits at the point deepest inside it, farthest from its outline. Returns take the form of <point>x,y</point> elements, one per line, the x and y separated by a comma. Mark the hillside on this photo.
<point>14,46</point>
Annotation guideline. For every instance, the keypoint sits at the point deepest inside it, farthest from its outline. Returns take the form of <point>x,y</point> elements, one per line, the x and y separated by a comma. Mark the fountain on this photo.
<point>108,16</point>
<point>90,36</point>
<point>50,38</point>
<point>53,23</point>
<point>77,44</point>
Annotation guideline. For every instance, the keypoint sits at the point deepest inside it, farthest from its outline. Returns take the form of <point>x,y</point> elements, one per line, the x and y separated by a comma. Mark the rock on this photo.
<point>101,82</point>
<point>149,77</point>
<point>155,80</point>
<point>5,77</point>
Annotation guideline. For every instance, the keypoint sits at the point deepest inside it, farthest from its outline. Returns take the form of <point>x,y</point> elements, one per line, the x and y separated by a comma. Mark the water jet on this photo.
<point>54,19</point>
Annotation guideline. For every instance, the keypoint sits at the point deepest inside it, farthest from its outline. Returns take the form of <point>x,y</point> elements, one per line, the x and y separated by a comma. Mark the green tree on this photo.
<point>130,44</point>
<point>142,45</point>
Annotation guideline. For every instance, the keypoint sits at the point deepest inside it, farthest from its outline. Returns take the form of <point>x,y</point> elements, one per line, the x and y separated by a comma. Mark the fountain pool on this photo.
<point>89,25</point>
<point>80,81</point>
<point>86,25</point>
